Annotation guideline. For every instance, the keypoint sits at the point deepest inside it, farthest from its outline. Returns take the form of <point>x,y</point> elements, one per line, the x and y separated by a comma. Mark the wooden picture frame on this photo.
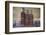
<point>7,3</point>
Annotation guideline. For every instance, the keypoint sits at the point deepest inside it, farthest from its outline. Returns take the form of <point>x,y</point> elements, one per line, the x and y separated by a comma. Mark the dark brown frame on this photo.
<point>7,16</point>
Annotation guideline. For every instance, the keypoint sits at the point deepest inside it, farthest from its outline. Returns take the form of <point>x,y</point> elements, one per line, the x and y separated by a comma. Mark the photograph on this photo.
<point>24,17</point>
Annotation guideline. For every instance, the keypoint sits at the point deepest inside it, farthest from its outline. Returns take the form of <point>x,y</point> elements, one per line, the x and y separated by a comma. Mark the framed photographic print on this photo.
<point>24,17</point>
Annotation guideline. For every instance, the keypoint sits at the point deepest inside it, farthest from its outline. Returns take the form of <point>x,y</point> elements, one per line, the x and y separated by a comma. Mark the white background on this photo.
<point>2,18</point>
